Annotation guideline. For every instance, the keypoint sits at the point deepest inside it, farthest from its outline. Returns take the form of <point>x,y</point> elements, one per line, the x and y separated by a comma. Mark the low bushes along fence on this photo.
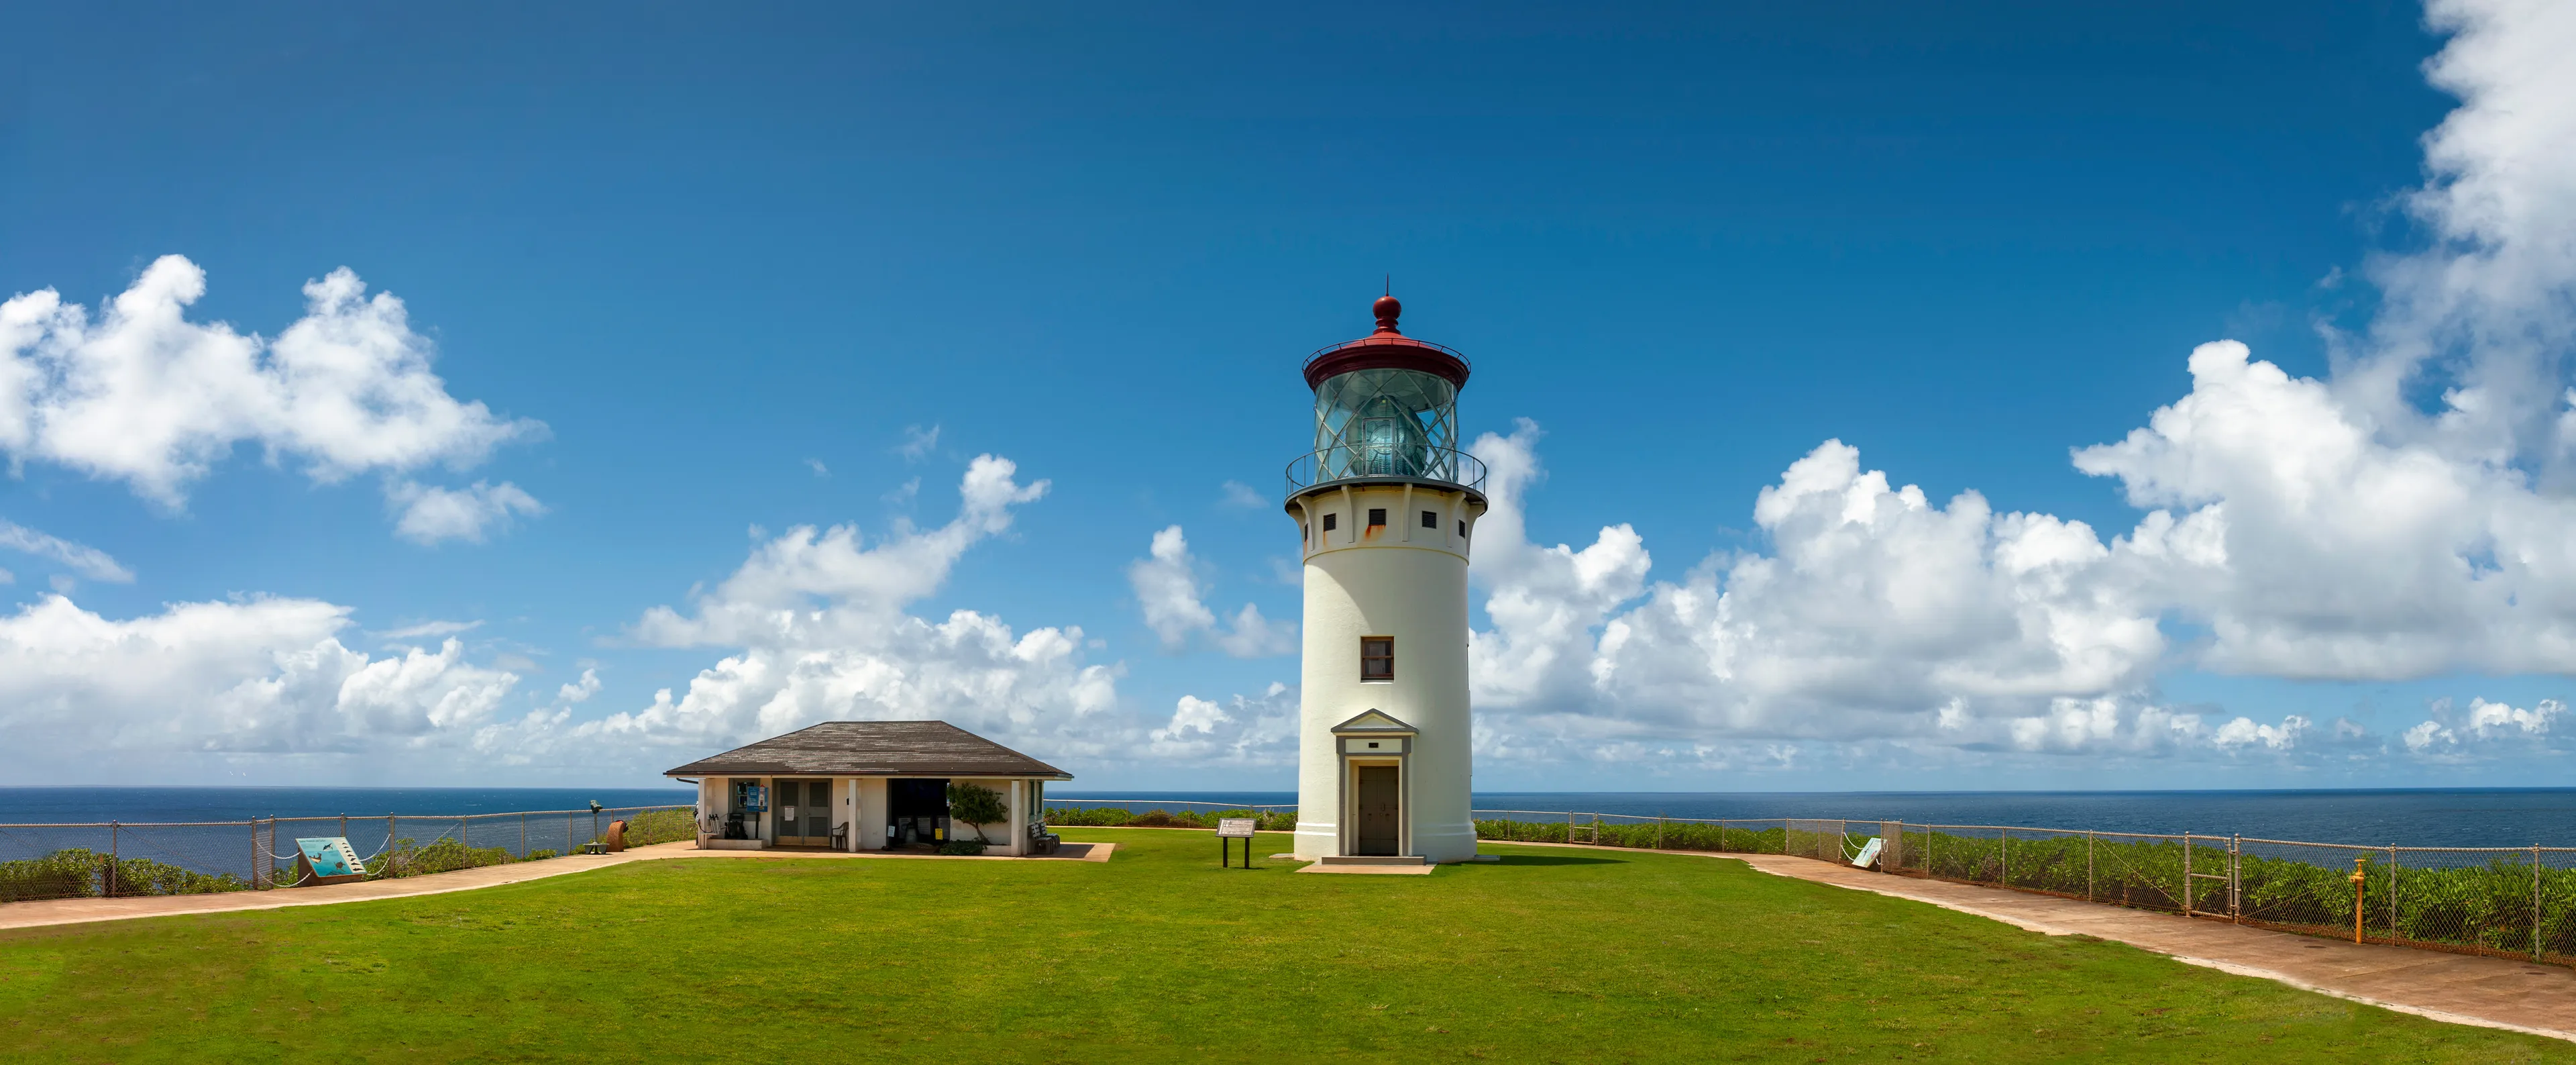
<point>115,859</point>
<point>1272,818</point>
<point>2517,902</point>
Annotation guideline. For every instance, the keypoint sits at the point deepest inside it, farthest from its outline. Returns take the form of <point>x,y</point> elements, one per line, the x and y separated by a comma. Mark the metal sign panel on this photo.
<point>1235,827</point>
<point>331,858</point>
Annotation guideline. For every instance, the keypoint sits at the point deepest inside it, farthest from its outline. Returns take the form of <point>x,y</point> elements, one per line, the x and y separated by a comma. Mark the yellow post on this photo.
<point>2358,864</point>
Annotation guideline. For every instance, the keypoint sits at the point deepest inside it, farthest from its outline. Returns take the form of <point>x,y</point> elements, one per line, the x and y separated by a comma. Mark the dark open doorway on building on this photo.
<point>917,811</point>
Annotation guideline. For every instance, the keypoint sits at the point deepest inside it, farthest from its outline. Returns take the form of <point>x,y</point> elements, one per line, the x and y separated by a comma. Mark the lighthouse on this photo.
<point>1385,506</point>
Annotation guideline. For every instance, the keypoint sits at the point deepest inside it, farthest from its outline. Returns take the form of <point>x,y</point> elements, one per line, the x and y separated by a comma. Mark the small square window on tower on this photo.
<point>1331,520</point>
<point>1377,516</point>
<point>1430,519</point>
<point>1462,529</point>
<point>1377,658</point>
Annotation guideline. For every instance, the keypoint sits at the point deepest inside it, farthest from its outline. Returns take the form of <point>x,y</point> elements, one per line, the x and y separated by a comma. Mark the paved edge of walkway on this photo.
<point>47,913</point>
<point>1791,868</point>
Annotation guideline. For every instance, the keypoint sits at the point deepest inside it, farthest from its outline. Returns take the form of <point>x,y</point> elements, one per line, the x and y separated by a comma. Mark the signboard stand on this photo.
<point>327,860</point>
<point>1228,830</point>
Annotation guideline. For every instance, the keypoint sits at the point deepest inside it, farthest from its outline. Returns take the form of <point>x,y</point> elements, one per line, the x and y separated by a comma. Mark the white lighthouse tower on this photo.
<point>1386,504</point>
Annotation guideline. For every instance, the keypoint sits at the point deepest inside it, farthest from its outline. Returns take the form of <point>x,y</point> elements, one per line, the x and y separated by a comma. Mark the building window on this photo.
<point>1430,519</point>
<point>1462,529</point>
<point>1377,516</point>
<point>1377,658</point>
<point>1331,520</point>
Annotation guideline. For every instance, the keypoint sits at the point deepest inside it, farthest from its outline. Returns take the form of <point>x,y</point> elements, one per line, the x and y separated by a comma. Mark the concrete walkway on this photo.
<point>2457,988</point>
<point>81,911</point>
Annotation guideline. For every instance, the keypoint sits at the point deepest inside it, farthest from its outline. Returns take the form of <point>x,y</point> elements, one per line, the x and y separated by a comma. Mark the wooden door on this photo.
<point>1380,809</point>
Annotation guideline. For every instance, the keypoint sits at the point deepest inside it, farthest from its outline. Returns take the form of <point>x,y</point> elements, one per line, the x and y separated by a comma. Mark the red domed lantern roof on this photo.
<point>1388,348</point>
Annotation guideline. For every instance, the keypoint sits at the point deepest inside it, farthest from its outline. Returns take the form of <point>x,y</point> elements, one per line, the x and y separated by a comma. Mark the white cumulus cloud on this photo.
<point>265,676</point>
<point>141,394</point>
<point>816,628</point>
<point>1167,589</point>
<point>428,514</point>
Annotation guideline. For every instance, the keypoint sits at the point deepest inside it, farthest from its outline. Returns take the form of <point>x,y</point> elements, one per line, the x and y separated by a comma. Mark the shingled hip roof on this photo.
<point>874,749</point>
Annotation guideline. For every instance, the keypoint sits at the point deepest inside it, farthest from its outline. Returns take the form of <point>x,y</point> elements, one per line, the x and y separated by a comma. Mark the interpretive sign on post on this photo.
<point>1234,828</point>
<point>328,860</point>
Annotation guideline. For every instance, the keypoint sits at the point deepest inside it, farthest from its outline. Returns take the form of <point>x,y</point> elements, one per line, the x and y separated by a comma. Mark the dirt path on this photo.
<point>2458,988</point>
<point>80,911</point>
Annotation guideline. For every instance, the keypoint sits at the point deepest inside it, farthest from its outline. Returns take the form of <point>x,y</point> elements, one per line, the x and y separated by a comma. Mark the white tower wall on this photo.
<point>1400,580</point>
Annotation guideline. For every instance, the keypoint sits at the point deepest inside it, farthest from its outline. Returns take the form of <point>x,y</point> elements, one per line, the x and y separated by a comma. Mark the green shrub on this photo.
<point>537,855</point>
<point>410,858</point>
<point>967,847</point>
<point>79,872</point>
<point>1114,817</point>
<point>660,826</point>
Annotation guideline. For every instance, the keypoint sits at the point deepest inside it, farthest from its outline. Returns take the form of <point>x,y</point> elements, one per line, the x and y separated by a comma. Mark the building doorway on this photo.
<point>916,811</point>
<point>803,812</point>
<point>1380,809</point>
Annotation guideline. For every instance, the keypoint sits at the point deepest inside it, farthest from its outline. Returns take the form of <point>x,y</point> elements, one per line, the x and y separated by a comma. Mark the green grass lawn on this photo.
<point>1551,955</point>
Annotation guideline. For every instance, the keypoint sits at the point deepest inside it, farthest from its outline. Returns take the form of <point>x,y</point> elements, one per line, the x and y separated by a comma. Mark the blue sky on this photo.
<point>800,266</point>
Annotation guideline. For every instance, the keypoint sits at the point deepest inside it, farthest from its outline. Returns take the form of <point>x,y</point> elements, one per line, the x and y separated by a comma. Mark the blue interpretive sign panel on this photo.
<point>331,859</point>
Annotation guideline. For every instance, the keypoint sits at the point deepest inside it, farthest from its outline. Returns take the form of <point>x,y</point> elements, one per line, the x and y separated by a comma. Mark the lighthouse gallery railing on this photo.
<point>1394,462</point>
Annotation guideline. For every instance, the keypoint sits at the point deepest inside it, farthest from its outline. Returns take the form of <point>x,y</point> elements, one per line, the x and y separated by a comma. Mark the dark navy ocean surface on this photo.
<point>2446,817</point>
<point>2411,817</point>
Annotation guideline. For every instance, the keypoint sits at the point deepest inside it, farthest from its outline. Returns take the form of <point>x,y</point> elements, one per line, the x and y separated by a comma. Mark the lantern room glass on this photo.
<point>1386,423</point>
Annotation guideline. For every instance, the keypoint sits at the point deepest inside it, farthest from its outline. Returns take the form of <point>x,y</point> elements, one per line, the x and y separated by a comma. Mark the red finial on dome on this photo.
<point>1387,308</point>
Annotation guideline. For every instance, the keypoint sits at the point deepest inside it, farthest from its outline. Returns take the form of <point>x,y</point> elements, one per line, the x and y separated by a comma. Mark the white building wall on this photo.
<point>1408,582</point>
<point>710,805</point>
<point>873,811</point>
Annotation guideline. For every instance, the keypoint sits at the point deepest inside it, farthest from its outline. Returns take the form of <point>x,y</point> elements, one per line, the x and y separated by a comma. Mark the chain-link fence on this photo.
<point>112,859</point>
<point>2517,902</point>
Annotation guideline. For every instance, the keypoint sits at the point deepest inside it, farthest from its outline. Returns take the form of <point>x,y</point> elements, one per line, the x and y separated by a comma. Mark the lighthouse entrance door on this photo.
<point>1380,827</point>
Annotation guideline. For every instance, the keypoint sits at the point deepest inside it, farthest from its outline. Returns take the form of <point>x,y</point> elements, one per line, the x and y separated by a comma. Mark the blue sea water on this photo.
<point>164,824</point>
<point>2414,817</point>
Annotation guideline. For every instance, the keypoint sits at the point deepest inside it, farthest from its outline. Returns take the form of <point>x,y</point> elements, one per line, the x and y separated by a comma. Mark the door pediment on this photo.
<point>1374,722</point>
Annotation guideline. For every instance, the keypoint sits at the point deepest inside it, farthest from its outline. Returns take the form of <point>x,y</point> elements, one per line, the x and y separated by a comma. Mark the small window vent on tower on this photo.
<point>1377,516</point>
<point>1333,520</point>
<point>1377,658</point>
<point>1430,519</point>
<point>1462,528</point>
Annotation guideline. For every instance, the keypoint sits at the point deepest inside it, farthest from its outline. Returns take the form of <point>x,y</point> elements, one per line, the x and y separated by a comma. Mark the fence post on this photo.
<point>2535,902</point>
<point>2006,879</point>
<point>1659,831</point>
<point>1721,835</point>
<point>2392,896</point>
<point>116,860</point>
<point>2236,877</point>
<point>523,834</point>
<point>390,828</point>
<point>2088,865</point>
<point>2186,874</point>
